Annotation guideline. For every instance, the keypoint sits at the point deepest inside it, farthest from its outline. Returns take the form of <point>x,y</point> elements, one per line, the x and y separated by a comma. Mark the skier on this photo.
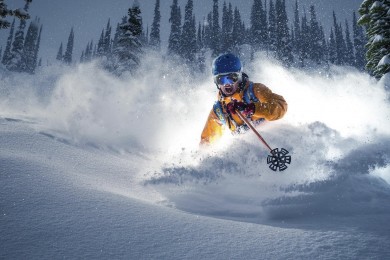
<point>237,93</point>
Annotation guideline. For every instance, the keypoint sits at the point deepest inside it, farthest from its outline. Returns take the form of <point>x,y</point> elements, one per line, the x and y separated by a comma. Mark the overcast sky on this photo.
<point>89,17</point>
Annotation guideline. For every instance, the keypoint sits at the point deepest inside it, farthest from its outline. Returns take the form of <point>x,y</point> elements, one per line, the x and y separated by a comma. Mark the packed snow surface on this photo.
<point>98,167</point>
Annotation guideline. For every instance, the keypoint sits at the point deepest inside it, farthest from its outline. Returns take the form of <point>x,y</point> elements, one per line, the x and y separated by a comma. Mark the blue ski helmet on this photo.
<point>226,63</point>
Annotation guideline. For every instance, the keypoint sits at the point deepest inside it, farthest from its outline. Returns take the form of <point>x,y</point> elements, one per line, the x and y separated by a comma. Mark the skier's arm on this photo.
<point>212,130</point>
<point>271,106</point>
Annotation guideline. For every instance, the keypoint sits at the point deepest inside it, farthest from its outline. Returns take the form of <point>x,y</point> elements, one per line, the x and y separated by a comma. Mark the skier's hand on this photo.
<point>246,110</point>
<point>233,106</point>
<point>249,110</point>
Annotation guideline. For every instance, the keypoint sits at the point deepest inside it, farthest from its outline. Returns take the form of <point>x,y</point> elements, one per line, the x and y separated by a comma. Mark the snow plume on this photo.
<point>337,130</point>
<point>156,110</point>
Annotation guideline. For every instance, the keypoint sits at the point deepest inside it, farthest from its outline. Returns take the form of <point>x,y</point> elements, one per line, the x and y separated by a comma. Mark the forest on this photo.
<point>299,41</point>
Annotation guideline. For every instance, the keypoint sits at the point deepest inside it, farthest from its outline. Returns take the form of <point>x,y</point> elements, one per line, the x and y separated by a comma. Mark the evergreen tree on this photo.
<point>332,51</point>
<point>4,12</point>
<point>215,47</point>
<point>340,42</point>
<point>297,30</point>
<point>349,54</point>
<point>155,41</point>
<point>101,45</point>
<point>272,28</point>
<point>30,46</point>
<point>38,46</point>
<point>188,38</point>
<point>7,51</point>
<point>258,25</point>
<point>315,43</point>
<point>304,41</point>
<point>129,48</point>
<point>283,41</point>
<point>237,31</point>
<point>201,59</point>
<point>60,52</point>
<point>376,19</point>
<point>227,28</point>
<point>199,38</point>
<point>323,46</point>
<point>82,57</point>
<point>175,34</point>
<point>118,34</point>
<point>358,42</point>
<point>208,34</point>
<point>69,48</point>
<point>15,63</point>
<point>107,40</point>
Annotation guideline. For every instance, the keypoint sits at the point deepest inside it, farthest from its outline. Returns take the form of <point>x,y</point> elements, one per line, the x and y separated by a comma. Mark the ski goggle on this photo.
<point>227,79</point>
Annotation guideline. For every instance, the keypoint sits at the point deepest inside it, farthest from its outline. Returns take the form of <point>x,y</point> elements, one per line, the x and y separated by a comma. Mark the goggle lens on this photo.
<point>227,79</point>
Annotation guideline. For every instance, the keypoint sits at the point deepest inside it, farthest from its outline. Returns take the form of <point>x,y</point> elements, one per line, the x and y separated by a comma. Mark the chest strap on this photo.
<point>249,95</point>
<point>218,110</point>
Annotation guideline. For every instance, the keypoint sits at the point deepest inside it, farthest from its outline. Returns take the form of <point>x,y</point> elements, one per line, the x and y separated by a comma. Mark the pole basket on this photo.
<point>277,160</point>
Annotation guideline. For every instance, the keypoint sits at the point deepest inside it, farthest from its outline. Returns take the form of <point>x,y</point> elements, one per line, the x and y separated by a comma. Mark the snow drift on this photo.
<point>337,130</point>
<point>94,166</point>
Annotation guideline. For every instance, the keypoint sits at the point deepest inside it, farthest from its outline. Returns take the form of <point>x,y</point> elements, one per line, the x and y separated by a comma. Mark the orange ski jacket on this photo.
<point>268,106</point>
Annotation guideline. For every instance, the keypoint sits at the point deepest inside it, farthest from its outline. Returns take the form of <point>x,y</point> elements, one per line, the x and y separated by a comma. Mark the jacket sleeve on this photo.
<point>271,106</point>
<point>212,130</point>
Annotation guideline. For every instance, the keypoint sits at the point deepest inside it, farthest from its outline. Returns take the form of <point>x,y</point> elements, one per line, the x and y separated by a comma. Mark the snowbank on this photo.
<point>89,162</point>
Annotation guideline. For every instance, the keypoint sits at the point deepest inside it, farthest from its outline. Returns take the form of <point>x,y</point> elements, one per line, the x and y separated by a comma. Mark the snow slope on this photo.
<point>98,167</point>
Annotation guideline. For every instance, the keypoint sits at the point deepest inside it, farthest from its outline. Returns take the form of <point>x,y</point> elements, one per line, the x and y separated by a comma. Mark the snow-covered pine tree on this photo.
<point>349,54</point>
<point>304,41</point>
<point>340,42</point>
<point>227,28</point>
<point>118,34</point>
<point>215,37</point>
<point>272,28</point>
<point>60,52</point>
<point>201,59</point>
<point>188,37</point>
<point>175,34</point>
<point>89,54</point>
<point>4,12</point>
<point>199,38</point>
<point>258,29</point>
<point>82,57</point>
<point>38,45</point>
<point>100,46</point>
<point>30,46</point>
<point>129,48</point>
<point>332,52</point>
<point>155,41</point>
<point>7,51</point>
<point>237,31</point>
<point>107,40</point>
<point>69,48</point>
<point>358,42</point>
<point>16,62</point>
<point>283,39</point>
<point>315,43</point>
<point>208,34</point>
<point>297,30</point>
<point>376,19</point>
<point>324,45</point>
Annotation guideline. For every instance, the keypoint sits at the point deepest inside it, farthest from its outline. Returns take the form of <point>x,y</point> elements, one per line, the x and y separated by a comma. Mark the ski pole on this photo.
<point>278,159</point>
<point>246,121</point>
